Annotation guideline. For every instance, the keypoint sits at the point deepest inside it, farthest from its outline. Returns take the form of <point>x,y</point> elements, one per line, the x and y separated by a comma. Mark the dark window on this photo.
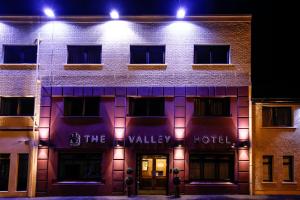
<point>20,54</point>
<point>147,106</point>
<point>211,167</point>
<point>288,168</point>
<point>216,54</point>
<point>17,106</point>
<point>22,172</point>
<point>277,116</point>
<point>81,106</point>
<point>268,168</point>
<point>79,167</point>
<point>212,107</point>
<point>4,171</point>
<point>147,54</point>
<point>84,54</point>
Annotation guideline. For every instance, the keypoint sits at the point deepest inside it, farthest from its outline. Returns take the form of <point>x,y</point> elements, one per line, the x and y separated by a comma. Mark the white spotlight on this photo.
<point>180,13</point>
<point>114,14</point>
<point>49,12</point>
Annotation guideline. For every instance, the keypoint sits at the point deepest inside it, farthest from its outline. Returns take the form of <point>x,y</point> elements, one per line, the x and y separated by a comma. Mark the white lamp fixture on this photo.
<point>114,14</point>
<point>180,13</point>
<point>49,12</point>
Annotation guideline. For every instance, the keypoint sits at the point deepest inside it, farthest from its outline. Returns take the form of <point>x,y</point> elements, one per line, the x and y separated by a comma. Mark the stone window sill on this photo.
<point>147,66</point>
<point>289,183</point>
<point>213,66</point>
<point>279,127</point>
<point>210,183</point>
<point>78,183</point>
<point>18,66</point>
<point>265,182</point>
<point>83,66</point>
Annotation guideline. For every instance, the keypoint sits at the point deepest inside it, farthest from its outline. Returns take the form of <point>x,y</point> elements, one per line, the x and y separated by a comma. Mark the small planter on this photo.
<point>129,181</point>
<point>176,182</point>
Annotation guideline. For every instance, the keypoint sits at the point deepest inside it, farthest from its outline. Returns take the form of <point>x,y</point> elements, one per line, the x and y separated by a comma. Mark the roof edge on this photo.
<point>144,18</point>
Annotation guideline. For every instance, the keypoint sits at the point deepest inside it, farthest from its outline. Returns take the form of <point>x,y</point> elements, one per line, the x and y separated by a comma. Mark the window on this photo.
<point>81,106</point>
<point>288,168</point>
<point>79,167</point>
<point>147,54</point>
<point>268,168</point>
<point>4,171</point>
<point>216,54</point>
<point>84,54</point>
<point>147,106</point>
<point>277,116</point>
<point>20,53</point>
<point>211,167</point>
<point>22,172</point>
<point>17,106</point>
<point>212,107</point>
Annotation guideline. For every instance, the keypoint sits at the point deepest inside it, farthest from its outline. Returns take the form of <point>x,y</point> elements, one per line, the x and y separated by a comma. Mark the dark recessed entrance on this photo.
<point>152,174</point>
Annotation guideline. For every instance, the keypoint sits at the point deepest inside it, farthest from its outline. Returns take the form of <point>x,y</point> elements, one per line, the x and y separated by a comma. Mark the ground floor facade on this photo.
<point>89,155</point>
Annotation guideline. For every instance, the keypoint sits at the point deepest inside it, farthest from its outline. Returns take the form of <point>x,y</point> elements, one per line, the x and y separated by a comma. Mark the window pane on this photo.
<point>209,170</point>
<point>84,54</point>
<point>22,172</point>
<point>224,171</point>
<point>288,168</point>
<point>267,168</point>
<point>156,54</point>
<point>26,107</point>
<point>277,116</point>
<point>9,106</point>
<point>91,106</point>
<point>220,54</point>
<point>138,54</point>
<point>4,171</point>
<point>195,169</point>
<point>80,167</point>
<point>146,106</point>
<point>202,55</point>
<point>20,54</point>
<point>73,106</point>
<point>212,106</point>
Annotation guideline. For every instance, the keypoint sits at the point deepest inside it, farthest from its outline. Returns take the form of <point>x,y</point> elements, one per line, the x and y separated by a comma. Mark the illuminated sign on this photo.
<point>160,139</point>
<point>76,139</point>
<point>211,140</point>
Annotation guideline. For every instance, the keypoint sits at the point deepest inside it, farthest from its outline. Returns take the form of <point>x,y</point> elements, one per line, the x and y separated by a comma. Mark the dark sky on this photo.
<point>269,78</point>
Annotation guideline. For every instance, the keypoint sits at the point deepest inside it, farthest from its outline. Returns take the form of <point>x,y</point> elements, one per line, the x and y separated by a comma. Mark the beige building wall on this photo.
<point>276,142</point>
<point>15,138</point>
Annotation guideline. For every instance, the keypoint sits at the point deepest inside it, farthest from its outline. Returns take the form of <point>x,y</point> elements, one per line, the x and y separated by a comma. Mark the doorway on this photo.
<point>152,174</point>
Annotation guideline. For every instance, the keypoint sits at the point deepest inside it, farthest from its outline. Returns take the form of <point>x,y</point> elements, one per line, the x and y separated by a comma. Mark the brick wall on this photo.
<point>115,38</point>
<point>276,142</point>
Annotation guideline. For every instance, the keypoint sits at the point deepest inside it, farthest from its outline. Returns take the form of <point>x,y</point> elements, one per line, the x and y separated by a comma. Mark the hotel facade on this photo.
<point>85,98</point>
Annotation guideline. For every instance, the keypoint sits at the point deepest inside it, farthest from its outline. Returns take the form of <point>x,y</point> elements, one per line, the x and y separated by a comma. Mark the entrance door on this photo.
<point>152,174</point>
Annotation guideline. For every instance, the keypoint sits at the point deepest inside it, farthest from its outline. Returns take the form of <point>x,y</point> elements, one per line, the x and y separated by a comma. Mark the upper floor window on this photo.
<point>83,54</point>
<point>81,106</point>
<point>277,116</point>
<point>17,106</point>
<point>20,53</point>
<point>147,106</point>
<point>147,54</point>
<point>211,54</point>
<point>212,106</point>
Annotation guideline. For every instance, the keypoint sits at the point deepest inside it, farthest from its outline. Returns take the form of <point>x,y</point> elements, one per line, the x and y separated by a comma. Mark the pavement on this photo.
<point>163,197</point>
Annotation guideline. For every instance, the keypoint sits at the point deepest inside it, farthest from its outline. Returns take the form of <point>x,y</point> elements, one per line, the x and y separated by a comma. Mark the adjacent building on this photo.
<point>276,146</point>
<point>148,93</point>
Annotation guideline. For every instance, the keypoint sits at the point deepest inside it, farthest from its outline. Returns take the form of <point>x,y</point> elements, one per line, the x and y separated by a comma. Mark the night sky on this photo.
<point>269,78</point>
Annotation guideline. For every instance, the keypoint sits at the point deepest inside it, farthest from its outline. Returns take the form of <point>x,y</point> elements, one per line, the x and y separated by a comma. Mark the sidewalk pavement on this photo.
<point>163,197</point>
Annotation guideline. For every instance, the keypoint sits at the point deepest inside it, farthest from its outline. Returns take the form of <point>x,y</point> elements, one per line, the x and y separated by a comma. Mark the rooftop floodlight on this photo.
<point>180,13</point>
<point>49,12</point>
<point>114,14</point>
